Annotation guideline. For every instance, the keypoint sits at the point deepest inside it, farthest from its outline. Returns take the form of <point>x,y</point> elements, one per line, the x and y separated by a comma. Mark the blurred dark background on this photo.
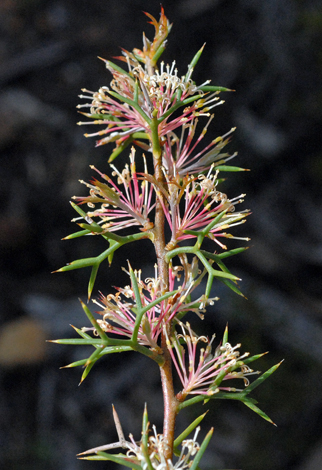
<point>270,53</point>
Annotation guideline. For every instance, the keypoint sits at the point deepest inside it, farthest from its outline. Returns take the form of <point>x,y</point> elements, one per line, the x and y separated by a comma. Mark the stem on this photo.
<point>169,400</point>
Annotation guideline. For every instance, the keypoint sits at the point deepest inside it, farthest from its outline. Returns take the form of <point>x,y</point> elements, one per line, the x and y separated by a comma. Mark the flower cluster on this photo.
<point>126,108</point>
<point>126,114</point>
<point>198,375</point>
<point>126,118</point>
<point>149,453</point>
<point>180,155</point>
<point>146,98</point>
<point>146,94</point>
<point>119,311</point>
<point>120,208</point>
<point>189,203</point>
<point>201,203</point>
<point>157,458</point>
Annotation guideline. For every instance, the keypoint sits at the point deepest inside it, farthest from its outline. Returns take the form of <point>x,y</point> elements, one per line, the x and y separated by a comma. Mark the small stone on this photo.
<point>22,342</point>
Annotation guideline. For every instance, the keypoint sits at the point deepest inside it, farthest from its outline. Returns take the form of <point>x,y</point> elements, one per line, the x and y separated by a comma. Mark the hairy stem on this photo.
<point>169,400</point>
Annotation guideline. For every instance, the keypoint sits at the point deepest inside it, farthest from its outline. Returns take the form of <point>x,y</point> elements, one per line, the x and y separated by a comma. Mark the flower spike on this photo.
<point>175,201</point>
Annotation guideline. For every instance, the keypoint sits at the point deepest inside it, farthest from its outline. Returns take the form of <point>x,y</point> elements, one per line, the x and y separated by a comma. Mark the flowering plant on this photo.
<point>152,108</point>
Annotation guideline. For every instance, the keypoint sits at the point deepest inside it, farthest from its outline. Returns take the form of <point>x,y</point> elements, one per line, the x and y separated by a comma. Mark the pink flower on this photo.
<point>132,115</point>
<point>144,93</point>
<point>197,374</point>
<point>181,156</point>
<point>119,310</point>
<point>119,315</point>
<point>121,119</point>
<point>193,203</point>
<point>118,208</point>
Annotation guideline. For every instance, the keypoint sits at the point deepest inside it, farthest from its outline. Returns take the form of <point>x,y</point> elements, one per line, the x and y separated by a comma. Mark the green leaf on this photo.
<point>119,149</point>
<point>117,458</point>
<point>220,377</point>
<point>96,457</point>
<point>230,168</point>
<point>215,272</point>
<point>232,286</point>
<point>82,362</point>
<point>255,408</point>
<point>147,459</point>
<point>235,251</point>
<point>157,301</point>
<point>79,342</point>
<point>215,221</point>
<point>111,65</point>
<point>222,266</point>
<point>210,281</point>
<point>225,337</point>
<point>136,289</point>
<point>238,396</point>
<point>111,255</point>
<point>194,62</point>
<point>214,88</point>
<point>118,242</point>
<point>92,228</point>
<point>191,401</point>
<point>188,430</point>
<point>92,280</point>
<point>145,427</point>
<point>93,321</point>
<point>89,364</point>
<point>180,250</point>
<point>77,264</point>
<point>159,52</point>
<point>93,357</point>
<point>254,358</point>
<point>103,352</point>
<point>201,450</point>
<point>78,234</point>
<point>123,460</point>
<point>261,379</point>
<point>78,210</point>
<point>81,333</point>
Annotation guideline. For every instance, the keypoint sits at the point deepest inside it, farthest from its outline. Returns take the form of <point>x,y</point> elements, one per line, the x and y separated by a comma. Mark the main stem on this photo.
<point>169,400</point>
